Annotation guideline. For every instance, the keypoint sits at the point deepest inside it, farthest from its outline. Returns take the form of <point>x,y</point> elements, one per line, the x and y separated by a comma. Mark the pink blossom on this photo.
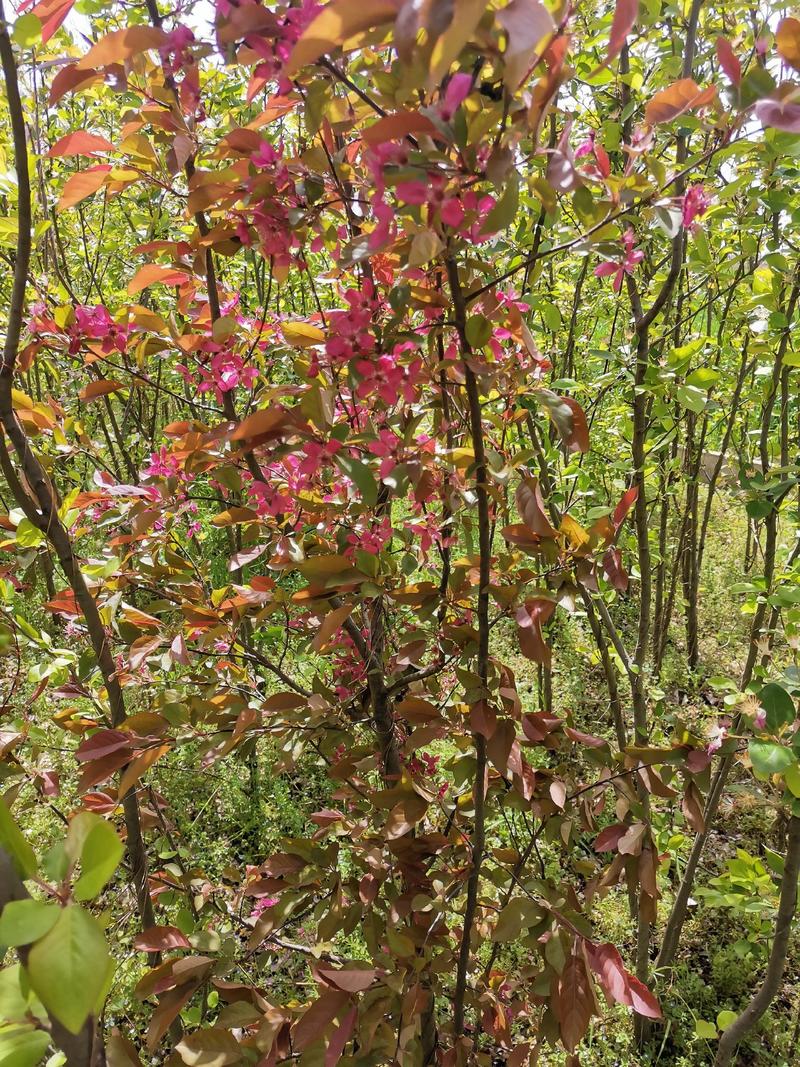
<point>718,735</point>
<point>224,372</point>
<point>452,212</point>
<point>694,205</point>
<point>586,148</point>
<point>261,905</point>
<point>412,192</point>
<point>175,52</point>
<point>458,89</point>
<point>269,499</point>
<point>162,464</point>
<point>760,718</point>
<point>388,377</point>
<point>631,257</point>
<point>372,539</point>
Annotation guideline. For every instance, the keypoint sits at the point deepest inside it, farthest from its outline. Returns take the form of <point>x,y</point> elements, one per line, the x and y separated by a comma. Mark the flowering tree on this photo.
<point>360,347</point>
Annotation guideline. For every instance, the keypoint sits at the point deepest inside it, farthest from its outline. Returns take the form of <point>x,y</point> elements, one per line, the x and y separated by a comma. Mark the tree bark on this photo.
<point>777,958</point>
<point>84,1049</point>
<point>39,501</point>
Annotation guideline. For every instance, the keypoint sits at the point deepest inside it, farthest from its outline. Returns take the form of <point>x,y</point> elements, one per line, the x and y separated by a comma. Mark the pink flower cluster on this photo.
<point>631,257</point>
<point>428,531</point>
<point>465,212</point>
<point>601,165</point>
<point>222,371</point>
<point>371,539</point>
<point>175,54</point>
<point>694,204</point>
<point>90,323</point>
<point>270,220</point>
<point>350,334</point>
<point>389,378</point>
<point>349,670</point>
<point>268,498</point>
<point>225,372</point>
<point>162,464</point>
<point>275,47</point>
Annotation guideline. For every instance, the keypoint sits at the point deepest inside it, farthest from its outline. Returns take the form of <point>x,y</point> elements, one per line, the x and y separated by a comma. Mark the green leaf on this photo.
<point>27,30</point>
<point>505,210</point>
<point>95,842</point>
<point>778,705</point>
<point>703,377</point>
<point>769,758</point>
<point>725,1018</point>
<point>424,247</point>
<point>68,968</point>
<point>515,917</point>
<point>28,535</point>
<point>361,476</point>
<point>14,1000</point>
<point>22,1046</point>
<point>478,330</point>
<point>705,1029</point>
<point>12,840</point>
<point>791,777</point>
<point>689,396</point>
<point>25,921</point>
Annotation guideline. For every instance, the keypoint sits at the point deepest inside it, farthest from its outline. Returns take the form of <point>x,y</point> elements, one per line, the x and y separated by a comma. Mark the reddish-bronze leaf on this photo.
<point>99,388</point>
<point>80,143</point>
<point>121,45</point>
<point>568,418</point>
<point>336,22</point>
<point>64,603</point>
<point>349,979</point>
<point>624,506</point>
<point>51,14</point>
<point>683,95</point>
<point>631,842</point>
<point>529,28</point>
<point>607,964</point>
<point>728,60</point>
<point>312,1023</point>
<point>530,618</point>
<point>160,939</point>
<point>608,840</point>
<point>787,41</point>
<point>83,184</point>
<point>574,1002</point>
<point>532,510</point>
<point>644,1003</point>
<point>614,570</point>
<point>341,1035</point>
<point>102,743</point>
<point>692,807</point>
<point>398,125</point>
<point>625,14</point>
<point>69,79</point>
<point>155,274</point>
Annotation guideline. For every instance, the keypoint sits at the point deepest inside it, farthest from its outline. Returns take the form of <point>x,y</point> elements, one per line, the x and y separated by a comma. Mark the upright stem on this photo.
<point>677,917</point>
<point>485,548</point>
<point>777,957</point>
<point>84,1049</point>
<point>39,501</point>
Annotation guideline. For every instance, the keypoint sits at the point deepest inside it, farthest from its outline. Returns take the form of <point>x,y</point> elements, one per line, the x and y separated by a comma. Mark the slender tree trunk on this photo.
<point>677,917</point>
<point>777,958</point>
<point>38,501</point>
<point>84,1049</point>
<point>485,546</point>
